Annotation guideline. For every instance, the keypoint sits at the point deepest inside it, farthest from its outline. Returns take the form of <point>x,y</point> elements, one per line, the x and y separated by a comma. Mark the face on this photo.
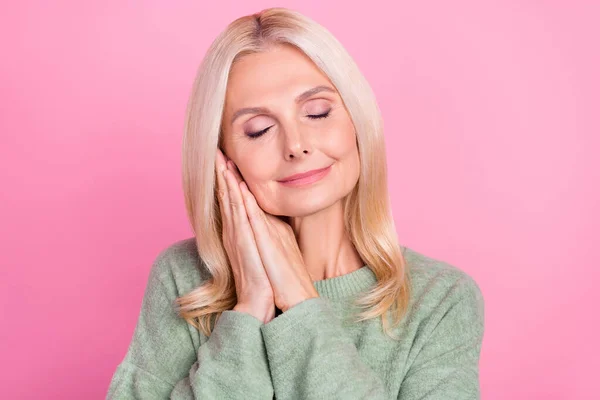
<point>273,128</point>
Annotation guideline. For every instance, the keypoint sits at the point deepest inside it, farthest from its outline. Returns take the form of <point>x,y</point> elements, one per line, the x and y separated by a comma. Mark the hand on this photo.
<point>278,249</point>
<point>254,292</point>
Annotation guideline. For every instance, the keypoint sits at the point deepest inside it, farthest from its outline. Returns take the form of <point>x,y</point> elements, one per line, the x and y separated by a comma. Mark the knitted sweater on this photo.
<point>313,350</point>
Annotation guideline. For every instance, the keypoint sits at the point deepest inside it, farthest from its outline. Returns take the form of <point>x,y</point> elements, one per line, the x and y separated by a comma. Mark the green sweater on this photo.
<point>313,350</point>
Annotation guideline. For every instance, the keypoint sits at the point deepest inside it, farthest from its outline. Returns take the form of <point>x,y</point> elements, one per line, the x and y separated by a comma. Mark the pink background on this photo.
<point>491,115</point>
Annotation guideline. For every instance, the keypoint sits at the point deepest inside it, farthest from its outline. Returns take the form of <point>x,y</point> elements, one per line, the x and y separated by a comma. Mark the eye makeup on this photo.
<point>254,135</point>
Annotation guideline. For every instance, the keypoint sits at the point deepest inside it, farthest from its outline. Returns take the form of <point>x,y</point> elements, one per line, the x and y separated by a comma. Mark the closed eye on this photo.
<point>254,135</point>
<point>319,116</point>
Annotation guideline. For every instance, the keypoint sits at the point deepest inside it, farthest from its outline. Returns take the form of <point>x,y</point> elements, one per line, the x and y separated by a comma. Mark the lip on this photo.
<point>306,177</point>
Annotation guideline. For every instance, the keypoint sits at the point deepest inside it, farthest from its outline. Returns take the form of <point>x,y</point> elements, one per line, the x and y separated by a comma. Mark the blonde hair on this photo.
<point>367,213</point>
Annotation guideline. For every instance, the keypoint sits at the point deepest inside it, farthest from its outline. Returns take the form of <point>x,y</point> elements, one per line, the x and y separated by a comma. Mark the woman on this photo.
<point>295,286</point>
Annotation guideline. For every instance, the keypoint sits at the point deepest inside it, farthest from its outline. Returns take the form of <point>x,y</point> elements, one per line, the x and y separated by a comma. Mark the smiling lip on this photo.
<point>305,177</point>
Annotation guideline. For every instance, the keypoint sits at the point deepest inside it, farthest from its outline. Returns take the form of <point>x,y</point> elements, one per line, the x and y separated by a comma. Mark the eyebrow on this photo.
<point>299,98</point>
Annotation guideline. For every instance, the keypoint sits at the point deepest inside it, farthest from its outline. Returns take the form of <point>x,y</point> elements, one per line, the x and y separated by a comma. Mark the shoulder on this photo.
<point>438,286</point>
<point>179,267</point>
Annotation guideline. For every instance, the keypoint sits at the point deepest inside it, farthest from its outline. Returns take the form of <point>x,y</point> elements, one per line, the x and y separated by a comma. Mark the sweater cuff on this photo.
<point>309,311</point>
<point>243,327</point>
<point>289,335</point>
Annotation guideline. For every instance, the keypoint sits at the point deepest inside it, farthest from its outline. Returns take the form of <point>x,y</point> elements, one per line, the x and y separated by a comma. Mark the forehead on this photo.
<point>280,73</point>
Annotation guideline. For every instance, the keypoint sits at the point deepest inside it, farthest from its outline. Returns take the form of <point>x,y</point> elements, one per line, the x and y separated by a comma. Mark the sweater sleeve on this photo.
<point>162,362</point>
<point>311,356</point>
<point>447,365</point>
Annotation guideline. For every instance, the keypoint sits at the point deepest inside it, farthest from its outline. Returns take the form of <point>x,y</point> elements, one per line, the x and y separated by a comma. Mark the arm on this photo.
<point>161,360</point>
<point>311,356</point>
<point>447,365</point>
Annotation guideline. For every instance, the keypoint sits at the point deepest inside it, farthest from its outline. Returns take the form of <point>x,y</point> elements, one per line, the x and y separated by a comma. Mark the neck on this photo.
<point>324,243</point>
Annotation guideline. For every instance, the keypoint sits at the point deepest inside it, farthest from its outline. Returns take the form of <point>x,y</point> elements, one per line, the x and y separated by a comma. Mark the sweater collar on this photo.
<point>346,285</point>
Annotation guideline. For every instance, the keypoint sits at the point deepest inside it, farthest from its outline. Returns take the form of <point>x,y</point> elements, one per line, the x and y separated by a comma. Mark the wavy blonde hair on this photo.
<point>367,213</point>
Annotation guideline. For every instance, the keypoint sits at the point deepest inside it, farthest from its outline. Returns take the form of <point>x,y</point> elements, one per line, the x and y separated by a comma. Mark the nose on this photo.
<point>296,144</point>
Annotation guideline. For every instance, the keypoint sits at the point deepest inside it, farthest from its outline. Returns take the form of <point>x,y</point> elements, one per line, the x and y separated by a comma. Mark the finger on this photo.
<point>238,209</point>
<point>257,219</point>
<point>236,172</point>
<point>240,221</point>
<point>223,195</point>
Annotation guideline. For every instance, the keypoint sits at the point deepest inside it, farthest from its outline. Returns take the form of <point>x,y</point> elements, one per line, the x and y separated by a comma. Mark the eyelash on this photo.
<point>255,135</point>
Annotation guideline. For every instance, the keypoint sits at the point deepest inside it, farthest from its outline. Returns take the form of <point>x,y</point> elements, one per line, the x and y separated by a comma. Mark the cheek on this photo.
<point>342,143</point>
<point>256,168</point>
<point>259,179</point>
<point>348,154</point>
<point>266,196</point>
<point>258,185</point>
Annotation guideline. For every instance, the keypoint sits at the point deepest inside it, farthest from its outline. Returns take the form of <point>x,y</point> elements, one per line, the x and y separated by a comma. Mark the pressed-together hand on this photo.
<point>274,240</point>
<point>252,286</point>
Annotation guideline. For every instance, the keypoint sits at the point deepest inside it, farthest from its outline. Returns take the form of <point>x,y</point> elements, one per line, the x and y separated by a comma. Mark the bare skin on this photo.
<point>298,231</point>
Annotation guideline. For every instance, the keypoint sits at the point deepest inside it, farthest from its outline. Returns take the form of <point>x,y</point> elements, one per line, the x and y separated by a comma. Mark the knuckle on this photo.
<point>235,204</point>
